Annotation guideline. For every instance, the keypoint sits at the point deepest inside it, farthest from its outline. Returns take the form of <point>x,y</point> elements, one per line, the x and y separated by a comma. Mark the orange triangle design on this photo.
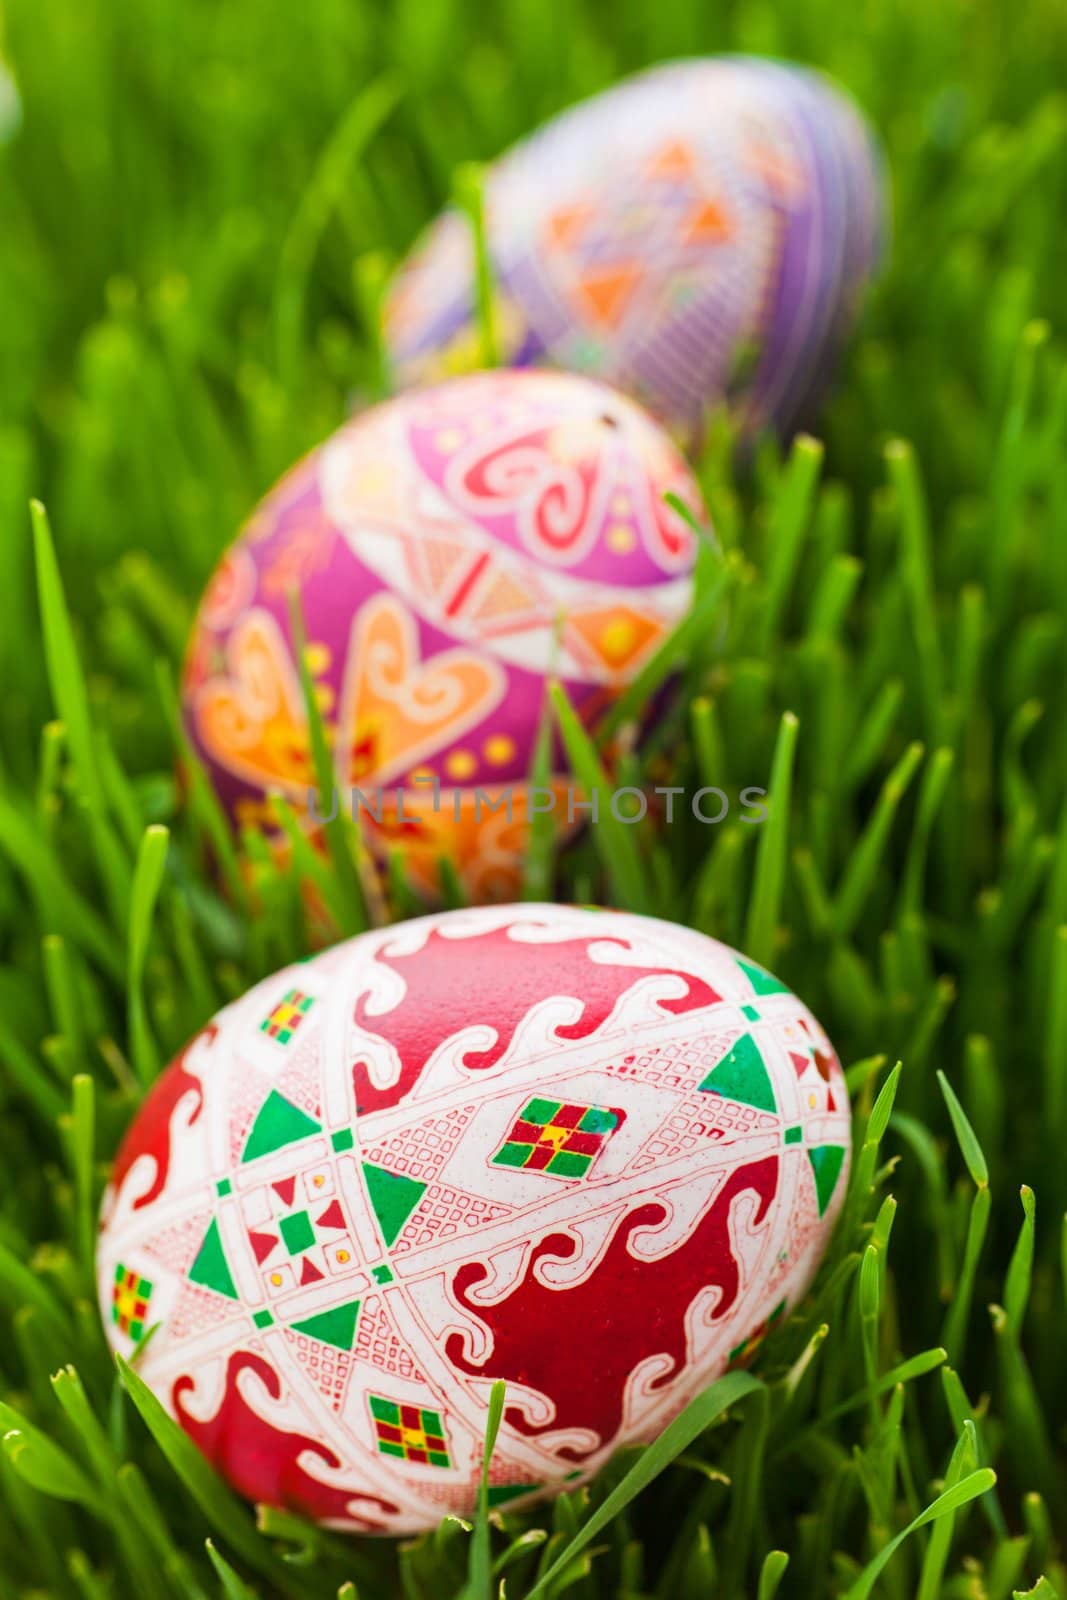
<point>605,293</point>
<point>440,558</point>
<point>708,223</point>
<point>674,160</point>
<point>506,598</point>
<point>615,635</point>
<point>565,224</point>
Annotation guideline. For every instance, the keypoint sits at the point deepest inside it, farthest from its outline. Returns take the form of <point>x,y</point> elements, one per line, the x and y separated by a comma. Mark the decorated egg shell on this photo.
<point>703,229</point>
<point>450,550</point>
<point>593,1155</point>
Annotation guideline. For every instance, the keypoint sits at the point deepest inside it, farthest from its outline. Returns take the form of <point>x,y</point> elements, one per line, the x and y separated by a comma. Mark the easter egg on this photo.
<point>701,231</point>
<point>592,1155</point>
<point>450,550</point>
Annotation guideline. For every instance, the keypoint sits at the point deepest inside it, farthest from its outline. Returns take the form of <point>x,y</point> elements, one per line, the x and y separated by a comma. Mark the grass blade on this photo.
<point>480,1571</point>
<point>951,1500</point>
<point>675,1438</point>
<point>614,838</point>
<point>764,907</point>
<point>148,880</point>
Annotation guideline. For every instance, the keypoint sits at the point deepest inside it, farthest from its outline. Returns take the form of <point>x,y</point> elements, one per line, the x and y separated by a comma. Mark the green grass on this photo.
<point>196,220</point>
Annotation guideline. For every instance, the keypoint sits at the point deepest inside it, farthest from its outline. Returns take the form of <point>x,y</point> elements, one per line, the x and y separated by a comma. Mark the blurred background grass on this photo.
<point>183,204</point>
<point>194,212</point>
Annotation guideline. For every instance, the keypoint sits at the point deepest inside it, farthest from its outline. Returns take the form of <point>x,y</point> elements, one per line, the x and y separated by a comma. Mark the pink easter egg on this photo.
<point>451,549</point>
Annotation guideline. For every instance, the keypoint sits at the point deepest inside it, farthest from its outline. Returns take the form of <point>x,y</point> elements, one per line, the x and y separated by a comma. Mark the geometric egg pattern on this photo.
<point>451,550</point>
<point>589,1153</point>
<point>701,231</point>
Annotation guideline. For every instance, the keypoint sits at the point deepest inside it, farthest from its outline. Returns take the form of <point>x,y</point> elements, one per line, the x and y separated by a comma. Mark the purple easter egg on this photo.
<point>451,549</point>
<point>700,232</point>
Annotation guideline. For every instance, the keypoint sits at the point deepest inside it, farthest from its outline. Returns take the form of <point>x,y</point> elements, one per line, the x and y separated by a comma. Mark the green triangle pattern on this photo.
<point>211,1269</point>
<point>501,1493</point>
<point>741,1075</point>
<point>336,1326</point>
<point>277,1124</point>
<point>826,1163</point>
<point>762,981</point>
<point>393,1196</point>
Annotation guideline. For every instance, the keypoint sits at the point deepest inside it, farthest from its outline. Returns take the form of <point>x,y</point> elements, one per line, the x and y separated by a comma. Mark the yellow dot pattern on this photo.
<point>499,750</point>
<point>460,764</point>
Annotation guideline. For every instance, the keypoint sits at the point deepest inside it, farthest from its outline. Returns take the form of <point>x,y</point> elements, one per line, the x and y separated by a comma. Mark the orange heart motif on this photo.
<point>401,712</point>
<point>395,712</point>
<point>251,720</point>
